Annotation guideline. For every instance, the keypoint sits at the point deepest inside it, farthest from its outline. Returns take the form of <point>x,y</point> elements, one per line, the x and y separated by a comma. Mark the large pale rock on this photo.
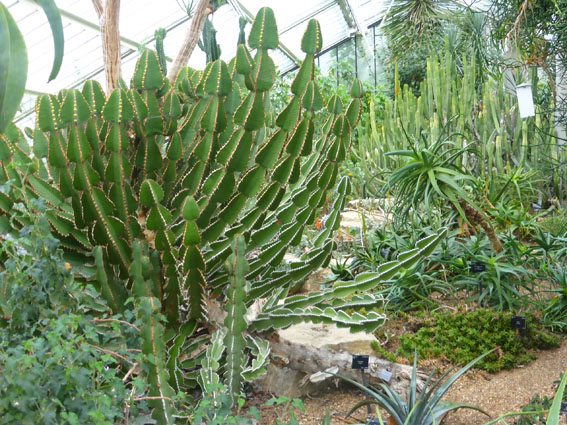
<point>303,353</point>
<point>352,219</point>
<point>319,335</point>
<point>283,380</point>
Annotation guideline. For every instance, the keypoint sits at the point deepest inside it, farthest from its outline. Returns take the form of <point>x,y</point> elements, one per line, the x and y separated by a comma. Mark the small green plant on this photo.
<point>423,409</point>
<point>289,406</point>
<point>555,313</point>
<point>502,282</point>
<point>385,354</point>
<point>535,411</point>
<point>57,366</point>
<point>556,224</point>
<point>462,337</point>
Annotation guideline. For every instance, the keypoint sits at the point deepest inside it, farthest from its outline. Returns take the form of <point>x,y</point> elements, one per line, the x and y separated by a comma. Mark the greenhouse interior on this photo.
<point>283,212</point>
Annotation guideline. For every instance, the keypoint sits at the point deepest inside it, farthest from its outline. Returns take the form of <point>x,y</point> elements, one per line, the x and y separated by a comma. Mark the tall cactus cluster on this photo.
<point>449,105</point>
<point>184,197</point>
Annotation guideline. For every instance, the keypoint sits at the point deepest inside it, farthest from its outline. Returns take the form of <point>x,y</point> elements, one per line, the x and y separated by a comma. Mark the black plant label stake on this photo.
<point>478,267</point>
<point>360,362</point>
<point>519,323</point>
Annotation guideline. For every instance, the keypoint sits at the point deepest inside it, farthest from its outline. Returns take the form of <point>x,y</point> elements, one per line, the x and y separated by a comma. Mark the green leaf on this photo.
<point>47,112</point>
<point>356,90</point>
<point>13,68</point>
<point>218,81</point>
<point>94,95</point>
<point>5,148</point>
<point>312,40</point>
<point>118,107</point>
<point>244,61</point>
<point>190,209</point>
<point>264,72</point>
<point>270,152</point>
<point>252,182</point>
<point>264,32</point>
<point>555,411</point>
<point>54,19</point>
<point>260,349</point>
<point>148,74</point>
<point>74,109</point>
<point>287,119</point>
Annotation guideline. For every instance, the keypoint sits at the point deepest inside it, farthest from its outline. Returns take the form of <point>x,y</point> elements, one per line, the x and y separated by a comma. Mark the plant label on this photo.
<point>385,375</point>
<point>518,322</point>
<point>373,422</point>
<point>477,267</point>
<point>359,362</point>
<point>386,254</point>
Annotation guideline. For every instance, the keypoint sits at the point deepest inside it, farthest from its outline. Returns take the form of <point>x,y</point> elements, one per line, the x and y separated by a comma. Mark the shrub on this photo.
<point>52,371</point>
<point>462,337</point>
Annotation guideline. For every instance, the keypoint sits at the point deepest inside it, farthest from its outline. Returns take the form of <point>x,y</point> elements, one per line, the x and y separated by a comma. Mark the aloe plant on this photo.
<point>172,195</point>
<point>423,408</point>
<point>14,59</point>
<point>13,68</point>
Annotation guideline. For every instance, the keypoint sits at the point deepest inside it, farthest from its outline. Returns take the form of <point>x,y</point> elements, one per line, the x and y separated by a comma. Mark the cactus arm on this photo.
<point>236,310</point>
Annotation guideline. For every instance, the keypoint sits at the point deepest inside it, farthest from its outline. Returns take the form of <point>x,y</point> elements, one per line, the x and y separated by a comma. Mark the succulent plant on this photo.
<point>184,196</point>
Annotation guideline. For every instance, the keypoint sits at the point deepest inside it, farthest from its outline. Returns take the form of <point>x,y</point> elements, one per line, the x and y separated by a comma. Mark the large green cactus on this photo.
<point>174,195</point>
<point>449,105</point>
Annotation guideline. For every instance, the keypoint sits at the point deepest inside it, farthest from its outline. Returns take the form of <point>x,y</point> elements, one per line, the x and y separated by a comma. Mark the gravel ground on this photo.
<point>498,394</point>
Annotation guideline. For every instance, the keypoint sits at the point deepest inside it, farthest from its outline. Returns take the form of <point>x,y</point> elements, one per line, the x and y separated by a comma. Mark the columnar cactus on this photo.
<point>176,194</point>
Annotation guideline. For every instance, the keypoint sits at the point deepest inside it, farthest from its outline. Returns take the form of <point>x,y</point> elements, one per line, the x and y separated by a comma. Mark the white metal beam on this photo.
<point>355,24</point>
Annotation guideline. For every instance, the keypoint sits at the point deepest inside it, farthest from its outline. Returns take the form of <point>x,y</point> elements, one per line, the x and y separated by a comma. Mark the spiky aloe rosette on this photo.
<point>175,194</point>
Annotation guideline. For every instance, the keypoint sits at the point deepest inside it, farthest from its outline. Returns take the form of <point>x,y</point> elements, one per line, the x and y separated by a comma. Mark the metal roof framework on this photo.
<point>83,59</point>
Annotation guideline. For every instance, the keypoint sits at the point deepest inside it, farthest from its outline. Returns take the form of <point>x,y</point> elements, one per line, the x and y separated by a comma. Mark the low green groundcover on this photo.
<point>461,337</point>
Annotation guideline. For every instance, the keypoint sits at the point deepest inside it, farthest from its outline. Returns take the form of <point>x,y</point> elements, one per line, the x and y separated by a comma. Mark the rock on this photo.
<point>319,335</point>
<point>371,204</point>
<point>282,381</point>
<point>289,382</point>
<point>314,281</point>
<point>351,219</point>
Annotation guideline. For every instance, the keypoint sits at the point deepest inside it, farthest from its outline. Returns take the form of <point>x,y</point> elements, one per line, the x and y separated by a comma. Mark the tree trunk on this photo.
<point>99,9</point>
<point>476,218</point>
<point>111,42</point>
<point>203,10</point>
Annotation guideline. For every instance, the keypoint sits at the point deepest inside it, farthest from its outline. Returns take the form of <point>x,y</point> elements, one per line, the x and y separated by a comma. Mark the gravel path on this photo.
<point>504,392</point>
<point>507,391</point>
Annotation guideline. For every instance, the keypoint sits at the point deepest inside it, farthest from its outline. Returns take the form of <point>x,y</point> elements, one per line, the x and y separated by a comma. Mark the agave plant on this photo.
<point>186,197</point>
<point>423,409</point>
<point>431,174</point>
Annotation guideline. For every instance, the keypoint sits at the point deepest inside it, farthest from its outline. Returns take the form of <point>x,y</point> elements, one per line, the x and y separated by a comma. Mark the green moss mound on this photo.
<point>461,337</point>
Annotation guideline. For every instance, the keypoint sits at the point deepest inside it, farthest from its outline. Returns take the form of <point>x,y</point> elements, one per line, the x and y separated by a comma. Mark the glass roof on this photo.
<point>83,59</point>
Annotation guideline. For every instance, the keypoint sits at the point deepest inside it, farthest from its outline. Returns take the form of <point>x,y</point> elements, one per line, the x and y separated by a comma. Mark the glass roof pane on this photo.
<point>145,16</point>
<point>287,12</point>
<point>369,11</point>
<point>140,18</point>
<point>333,28</point>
